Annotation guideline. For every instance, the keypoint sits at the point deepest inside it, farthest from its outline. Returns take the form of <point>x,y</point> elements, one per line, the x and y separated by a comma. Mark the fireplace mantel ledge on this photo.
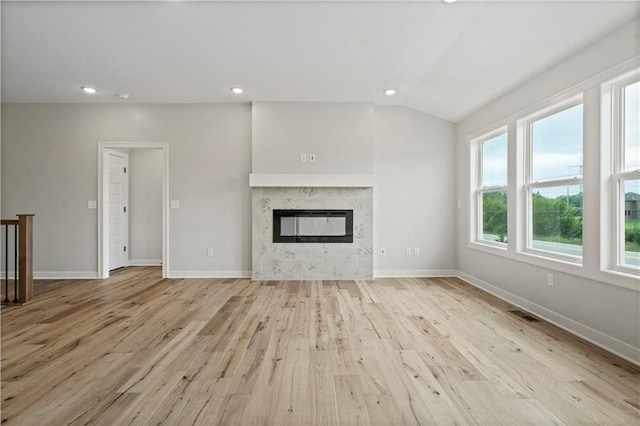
<point>311,180</point>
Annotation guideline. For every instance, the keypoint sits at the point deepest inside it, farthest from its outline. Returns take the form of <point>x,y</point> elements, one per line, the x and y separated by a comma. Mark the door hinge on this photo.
<point>125,170</point>
<point>125,209</point>
<point>125,248</point>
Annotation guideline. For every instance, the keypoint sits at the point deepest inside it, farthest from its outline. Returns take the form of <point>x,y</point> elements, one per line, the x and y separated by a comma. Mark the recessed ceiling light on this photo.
<point>237,90</point>
<point>390,92</point>
<point>123,96</point>
<point>449,1</point>
<point>89,90</point>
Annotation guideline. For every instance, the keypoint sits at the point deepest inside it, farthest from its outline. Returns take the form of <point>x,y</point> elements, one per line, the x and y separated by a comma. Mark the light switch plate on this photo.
<point>312,158</point>
<point>92,204</point>
<point>303,158</point>
<point>175,204</point>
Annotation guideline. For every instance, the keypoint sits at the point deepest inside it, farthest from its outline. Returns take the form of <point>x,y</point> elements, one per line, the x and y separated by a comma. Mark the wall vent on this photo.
<point>524,315</point>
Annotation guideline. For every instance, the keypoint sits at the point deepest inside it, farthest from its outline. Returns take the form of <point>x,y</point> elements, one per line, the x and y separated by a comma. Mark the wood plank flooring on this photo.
<point>138,349</point>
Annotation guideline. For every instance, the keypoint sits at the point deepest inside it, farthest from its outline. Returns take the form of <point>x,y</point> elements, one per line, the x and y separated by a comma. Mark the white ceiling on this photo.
<point>445,60</point>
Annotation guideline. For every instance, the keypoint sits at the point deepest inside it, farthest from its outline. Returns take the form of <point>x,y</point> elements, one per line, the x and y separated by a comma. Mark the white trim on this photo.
<point>145,262</point>
<point>610,344</point>
<point>612,149</point>
<point>489,246</point>
<point>103,249</point>
<point>476,189</point>
<point>209,274</point>
<point>317,180</point>
<point>529,185</point>
<point>65,275</point>
<point>414,273</point>
<point>600,269</point>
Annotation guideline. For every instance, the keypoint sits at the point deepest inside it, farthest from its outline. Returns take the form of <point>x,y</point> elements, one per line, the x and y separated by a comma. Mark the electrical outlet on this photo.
<point>407,251</point>
<point>312,158</point>
<point>175,204</point>
<point>459,203</point>
<point>416,251</point>
<point>550,280</point>
<point>92,204</point>
<point>210,252</point>
<point>303,158</point>
<point>383,252</point>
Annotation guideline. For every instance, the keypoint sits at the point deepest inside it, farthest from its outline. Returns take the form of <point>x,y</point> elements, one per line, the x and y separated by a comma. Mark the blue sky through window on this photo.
<point>557,145</point>
<point>632,127</point>
<point>494,161</point>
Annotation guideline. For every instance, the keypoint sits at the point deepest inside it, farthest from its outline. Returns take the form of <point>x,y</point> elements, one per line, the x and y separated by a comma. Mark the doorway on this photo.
<point>109,155</point>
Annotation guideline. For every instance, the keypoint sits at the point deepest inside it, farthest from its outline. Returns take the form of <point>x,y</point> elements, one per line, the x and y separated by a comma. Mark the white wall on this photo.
<point>145,206</point>
<point>605,313</point>
<point>339,134</point>
<point>414,196</point>
<point>49,167</point>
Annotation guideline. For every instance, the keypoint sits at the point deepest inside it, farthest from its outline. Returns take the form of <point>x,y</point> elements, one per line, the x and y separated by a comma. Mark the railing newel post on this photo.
<point>25,224</point>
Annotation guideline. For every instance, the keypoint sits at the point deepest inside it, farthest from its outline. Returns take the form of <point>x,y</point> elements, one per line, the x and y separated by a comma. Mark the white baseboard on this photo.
<point>58,275</point>
<point>209,274</point>
<point>65,275</point>
<point>414,273</point>
<point>610,344</point>
<point>145,262</point>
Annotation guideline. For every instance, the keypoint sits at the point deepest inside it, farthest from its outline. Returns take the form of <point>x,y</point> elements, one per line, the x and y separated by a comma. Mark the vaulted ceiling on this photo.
<point>446,60</point>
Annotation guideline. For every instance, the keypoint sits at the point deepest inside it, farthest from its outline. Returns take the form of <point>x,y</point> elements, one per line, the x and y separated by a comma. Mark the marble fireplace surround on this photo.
<point>312,261</point>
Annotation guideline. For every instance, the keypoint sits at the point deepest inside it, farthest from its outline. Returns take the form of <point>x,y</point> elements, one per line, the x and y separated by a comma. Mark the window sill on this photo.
<point>604,276</point>
<point>626,273</point>
<point>553,256</point>
<point>488,247</point>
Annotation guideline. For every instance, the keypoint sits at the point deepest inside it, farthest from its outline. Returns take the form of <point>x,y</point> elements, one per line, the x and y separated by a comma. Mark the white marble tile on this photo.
<point>290,203</point>
<point>261,230</point>
<point>283,192</point>
<point>339,251</point>
<point>296,261</point>
<point>310,192</point>
<point>364,249</point>
<point>314,269</point>
<point>256,269</point>
<point>278,269</point>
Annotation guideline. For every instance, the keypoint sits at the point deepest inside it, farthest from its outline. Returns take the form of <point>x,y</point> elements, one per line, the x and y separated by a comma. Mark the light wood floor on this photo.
<point>137,349</point>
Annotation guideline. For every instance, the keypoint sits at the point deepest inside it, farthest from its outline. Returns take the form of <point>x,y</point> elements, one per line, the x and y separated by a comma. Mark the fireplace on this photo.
<point>337,221</point>
<point>313,226</point>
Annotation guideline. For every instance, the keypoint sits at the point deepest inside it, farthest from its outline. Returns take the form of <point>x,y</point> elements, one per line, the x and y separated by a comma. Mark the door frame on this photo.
<point>103,202</point>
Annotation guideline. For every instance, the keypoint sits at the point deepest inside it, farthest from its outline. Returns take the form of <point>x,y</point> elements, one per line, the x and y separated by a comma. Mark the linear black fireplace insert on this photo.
<point>312,226</point>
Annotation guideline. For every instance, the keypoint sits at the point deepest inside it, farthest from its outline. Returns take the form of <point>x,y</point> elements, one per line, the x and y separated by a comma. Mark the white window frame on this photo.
<point>598,231</point>
<point>478,190</point>
<point>613,141</point>
<point>525,124</point>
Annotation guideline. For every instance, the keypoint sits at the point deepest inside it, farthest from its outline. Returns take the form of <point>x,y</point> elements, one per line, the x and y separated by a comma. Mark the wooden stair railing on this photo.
<point>23,237</point>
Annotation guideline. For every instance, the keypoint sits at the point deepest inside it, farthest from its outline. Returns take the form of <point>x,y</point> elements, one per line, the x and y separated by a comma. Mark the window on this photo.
<point>585,140</point>
<point>491,189</point>
<point>553,181</point>
<point>626,172</point>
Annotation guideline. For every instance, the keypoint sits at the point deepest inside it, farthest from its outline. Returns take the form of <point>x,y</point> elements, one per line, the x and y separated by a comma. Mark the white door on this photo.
<point>118,204</point>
